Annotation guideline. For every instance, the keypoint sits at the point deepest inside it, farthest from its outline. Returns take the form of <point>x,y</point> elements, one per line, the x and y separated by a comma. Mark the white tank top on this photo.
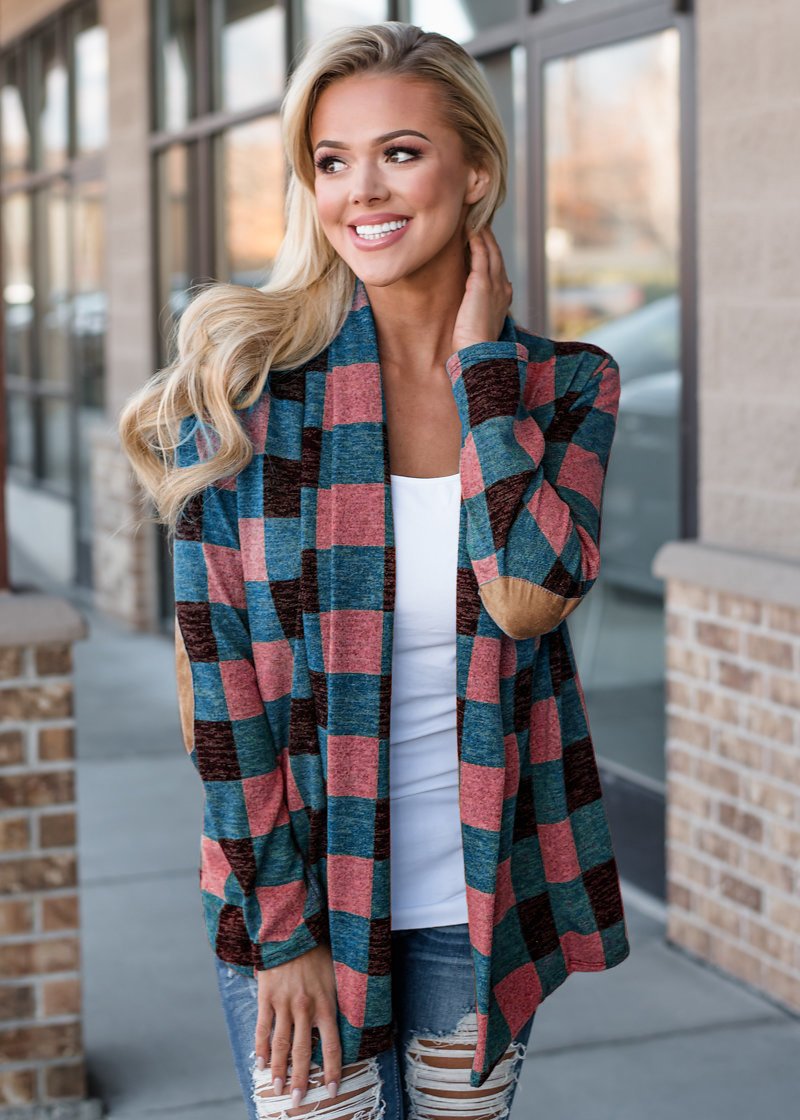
<point>427,869</point>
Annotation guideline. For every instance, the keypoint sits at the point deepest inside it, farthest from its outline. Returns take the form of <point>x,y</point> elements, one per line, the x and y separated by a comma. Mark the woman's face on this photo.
<point>392,182</point>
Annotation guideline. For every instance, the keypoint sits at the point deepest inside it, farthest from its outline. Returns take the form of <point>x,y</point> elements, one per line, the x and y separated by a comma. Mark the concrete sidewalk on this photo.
<point>658,1037</point>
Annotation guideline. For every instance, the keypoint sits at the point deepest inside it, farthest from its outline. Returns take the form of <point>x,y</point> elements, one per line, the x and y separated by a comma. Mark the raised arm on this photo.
<point>533,479</point>
<point>247,833</point>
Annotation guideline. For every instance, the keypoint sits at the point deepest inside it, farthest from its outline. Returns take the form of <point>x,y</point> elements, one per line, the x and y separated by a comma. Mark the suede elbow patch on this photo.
<point>523,609</point>
<point>183,676</point>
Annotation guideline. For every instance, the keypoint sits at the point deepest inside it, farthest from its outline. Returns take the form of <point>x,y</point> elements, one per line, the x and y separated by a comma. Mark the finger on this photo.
<point>301,1054</point>
<point>281,1043</point>
<point>480,255</point>
<point>496,256</point>
<point>500,277</point>
<point>331,1050</point>
<point>497,268</point>
<point>263,1028</point>
<point>477,244</point>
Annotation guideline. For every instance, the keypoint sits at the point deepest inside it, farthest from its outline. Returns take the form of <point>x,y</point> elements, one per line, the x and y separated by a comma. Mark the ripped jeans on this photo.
<point>424,1075</point>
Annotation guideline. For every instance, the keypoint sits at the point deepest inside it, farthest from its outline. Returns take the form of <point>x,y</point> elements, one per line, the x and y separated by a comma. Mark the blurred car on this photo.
<point>641,499</point>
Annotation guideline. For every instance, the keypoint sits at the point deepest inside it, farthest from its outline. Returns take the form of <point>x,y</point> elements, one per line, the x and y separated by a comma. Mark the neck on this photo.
<point>415,316</point>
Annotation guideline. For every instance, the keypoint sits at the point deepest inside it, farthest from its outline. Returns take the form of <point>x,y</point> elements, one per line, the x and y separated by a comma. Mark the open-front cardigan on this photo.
<point>284,582</point>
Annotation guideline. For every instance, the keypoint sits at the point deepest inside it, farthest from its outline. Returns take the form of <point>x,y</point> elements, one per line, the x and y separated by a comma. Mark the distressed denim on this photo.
<point>433,994</point>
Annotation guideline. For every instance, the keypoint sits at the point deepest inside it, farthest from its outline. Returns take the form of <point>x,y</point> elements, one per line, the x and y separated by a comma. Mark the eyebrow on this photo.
<point>377,140</point>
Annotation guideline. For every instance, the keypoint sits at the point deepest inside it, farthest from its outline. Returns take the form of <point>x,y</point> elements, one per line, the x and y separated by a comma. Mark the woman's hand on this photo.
<point>300,993</point>
<point>487,297</point>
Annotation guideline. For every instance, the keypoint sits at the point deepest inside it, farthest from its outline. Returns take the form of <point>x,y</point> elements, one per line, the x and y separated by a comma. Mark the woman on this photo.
<point>385,498</point>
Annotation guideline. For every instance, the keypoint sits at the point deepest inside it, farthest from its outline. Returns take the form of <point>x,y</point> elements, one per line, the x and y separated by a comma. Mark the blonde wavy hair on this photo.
<point>230,335</point>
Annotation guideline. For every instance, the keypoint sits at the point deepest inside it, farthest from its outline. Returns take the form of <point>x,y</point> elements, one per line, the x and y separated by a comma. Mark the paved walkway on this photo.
<point>656,1038</point>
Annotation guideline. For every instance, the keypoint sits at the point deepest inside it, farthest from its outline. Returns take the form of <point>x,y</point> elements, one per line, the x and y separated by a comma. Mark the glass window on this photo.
<point>251,67</point>
<point>20,432</point>
<point>558,3</point>
<point>51,99</point>
<point>250,189</point>
<point>612,181</point>
<point>53,249</point>
<point>177,32</point>
<point>88,330</point>
<point>90,310</point>
<point>56,442</point>
<point>506,76</point>
<point>174,263</point>
<point>91,82</point>
<point>322,16</point>
<point>54,108</point>
<point>18,285</point>
<point>14,117</point>
<point>612,246</point>
<point>462,19</point>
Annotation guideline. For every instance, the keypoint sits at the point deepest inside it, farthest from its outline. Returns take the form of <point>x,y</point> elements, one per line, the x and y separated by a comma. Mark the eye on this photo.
<point>407,151</point>
<point>323,161</point>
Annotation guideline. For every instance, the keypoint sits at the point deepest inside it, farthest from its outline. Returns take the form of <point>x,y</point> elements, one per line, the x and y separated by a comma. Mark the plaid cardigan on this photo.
<point>284,581</point>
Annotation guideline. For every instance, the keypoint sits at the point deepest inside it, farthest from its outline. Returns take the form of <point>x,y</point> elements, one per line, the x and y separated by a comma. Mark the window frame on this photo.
<point>73,170</point>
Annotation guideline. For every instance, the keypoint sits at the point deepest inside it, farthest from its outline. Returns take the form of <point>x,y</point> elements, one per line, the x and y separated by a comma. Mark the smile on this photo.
<point>379,234</point>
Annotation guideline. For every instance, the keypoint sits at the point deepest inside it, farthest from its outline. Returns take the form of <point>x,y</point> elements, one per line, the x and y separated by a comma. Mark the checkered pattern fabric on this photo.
<point>284,583</point>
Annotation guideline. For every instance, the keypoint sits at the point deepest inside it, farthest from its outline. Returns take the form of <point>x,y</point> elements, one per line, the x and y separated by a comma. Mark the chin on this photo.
<point>379,279</point>
<point>381,274</point>
<point>378,276</point>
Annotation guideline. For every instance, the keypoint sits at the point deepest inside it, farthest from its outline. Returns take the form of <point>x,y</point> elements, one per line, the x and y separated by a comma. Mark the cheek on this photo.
<point>328,205</point>
<point>438,193</point>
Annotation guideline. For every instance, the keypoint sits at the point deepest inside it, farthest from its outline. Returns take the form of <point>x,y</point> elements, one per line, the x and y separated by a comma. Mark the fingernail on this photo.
<point>278,1085</point>
<point>333,1088</point>
<point>297,1096</point>
<point>260,1063</point>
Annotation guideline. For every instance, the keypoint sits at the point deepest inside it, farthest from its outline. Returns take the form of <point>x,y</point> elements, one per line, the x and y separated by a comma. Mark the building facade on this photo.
<point>652,210</point>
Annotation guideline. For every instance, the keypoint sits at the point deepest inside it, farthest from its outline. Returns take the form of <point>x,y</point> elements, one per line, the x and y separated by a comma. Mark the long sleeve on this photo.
<point>532,478</point>
<point>247,836</point>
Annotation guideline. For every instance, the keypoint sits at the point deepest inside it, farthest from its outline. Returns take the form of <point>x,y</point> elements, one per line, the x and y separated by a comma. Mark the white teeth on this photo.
<point>374,233</point>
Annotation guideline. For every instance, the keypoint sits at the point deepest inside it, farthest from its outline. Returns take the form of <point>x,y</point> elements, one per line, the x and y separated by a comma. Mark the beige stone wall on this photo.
<point>124,550</point>
<point>18,16</point>
<point>749,279</point>
<point>128,243</point>
<point>125,553</point>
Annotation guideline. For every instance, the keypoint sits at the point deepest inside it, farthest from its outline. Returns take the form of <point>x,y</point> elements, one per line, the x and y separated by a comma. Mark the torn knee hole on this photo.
<point>438,1072</point>
<point>358,1098</point>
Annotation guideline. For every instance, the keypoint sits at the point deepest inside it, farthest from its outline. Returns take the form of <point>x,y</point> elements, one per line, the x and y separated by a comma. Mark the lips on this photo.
<point>378,219</point>
<point>378,230</point>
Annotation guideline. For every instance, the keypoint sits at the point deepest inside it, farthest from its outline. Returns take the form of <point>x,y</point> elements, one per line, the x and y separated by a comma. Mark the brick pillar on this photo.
<point>733,762</point>
<point>42,1072</point>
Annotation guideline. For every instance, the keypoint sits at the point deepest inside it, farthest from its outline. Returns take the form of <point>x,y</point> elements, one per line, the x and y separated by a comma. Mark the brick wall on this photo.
<point>733,774</point>
<point>41,1045</point>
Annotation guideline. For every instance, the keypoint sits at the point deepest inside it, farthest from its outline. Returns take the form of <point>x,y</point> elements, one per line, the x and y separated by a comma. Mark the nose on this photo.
<point>367,184</point>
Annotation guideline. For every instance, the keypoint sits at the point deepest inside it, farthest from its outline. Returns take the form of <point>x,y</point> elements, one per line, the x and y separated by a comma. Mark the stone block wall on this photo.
<point>124,550</point>
<point>748,224</point>
<point>125,557</point>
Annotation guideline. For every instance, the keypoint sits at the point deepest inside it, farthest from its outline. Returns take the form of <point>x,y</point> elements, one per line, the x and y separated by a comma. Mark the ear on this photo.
<point>477,184</point>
